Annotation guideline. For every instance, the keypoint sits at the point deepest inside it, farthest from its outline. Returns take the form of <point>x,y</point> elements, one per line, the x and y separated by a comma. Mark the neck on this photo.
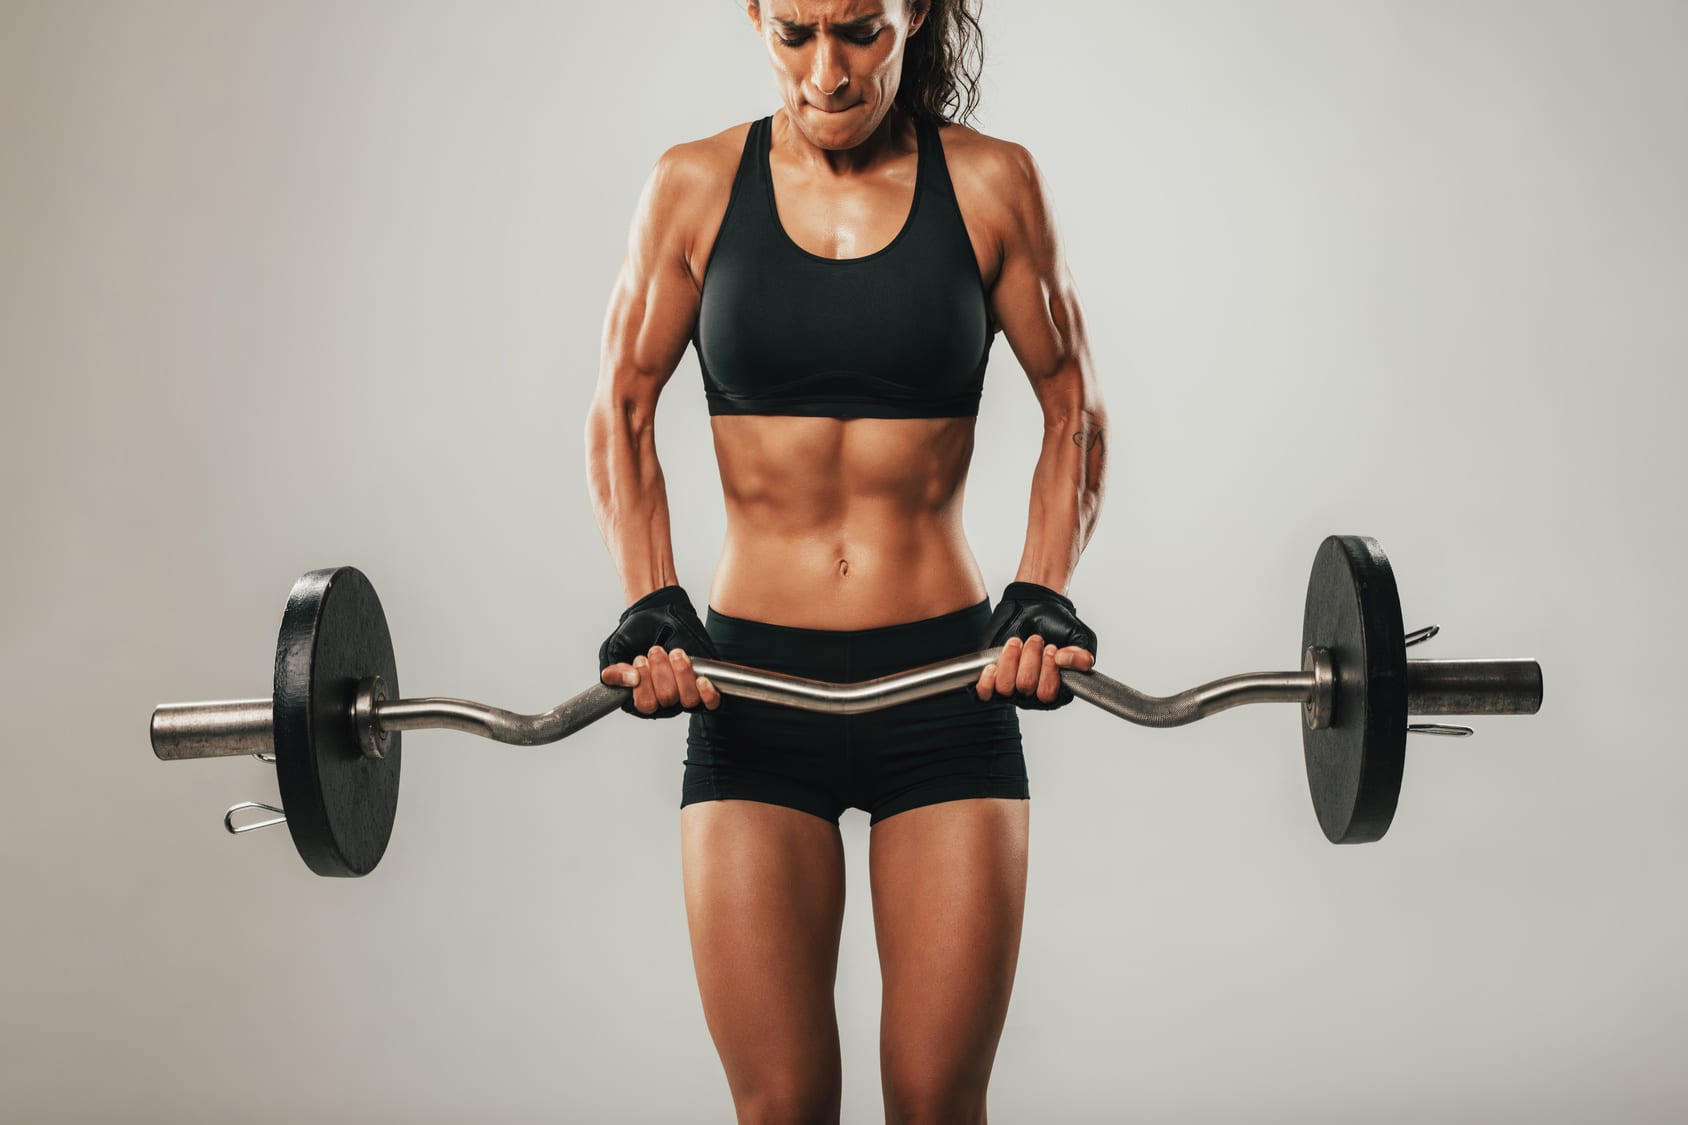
<point>891,138</point>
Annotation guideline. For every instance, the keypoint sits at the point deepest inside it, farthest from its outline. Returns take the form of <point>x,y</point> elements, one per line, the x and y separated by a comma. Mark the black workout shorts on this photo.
<point>943,748</point>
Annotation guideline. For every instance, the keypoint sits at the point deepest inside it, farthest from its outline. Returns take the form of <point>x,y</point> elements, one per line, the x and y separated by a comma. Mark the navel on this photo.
<point>843,567</point>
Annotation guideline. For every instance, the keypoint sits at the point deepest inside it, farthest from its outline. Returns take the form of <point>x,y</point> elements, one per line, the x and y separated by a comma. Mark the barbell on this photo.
<point>333,724</point>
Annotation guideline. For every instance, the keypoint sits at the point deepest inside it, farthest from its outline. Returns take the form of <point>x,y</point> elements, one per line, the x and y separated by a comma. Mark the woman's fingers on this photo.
<point>694,689</point>
<point>1031,666</point>
<point>644,699</point>
<point>1078,659</point>
<point>685,680</point>
<point>1018,668</point>
<point>633,676</point>
<point>663,679</point>
<point>663,684</point>
<point>706,691</point>
<point>619,675</point>
<point>690,684</point>
<point>1049,676</point>
<point>1008,666</point>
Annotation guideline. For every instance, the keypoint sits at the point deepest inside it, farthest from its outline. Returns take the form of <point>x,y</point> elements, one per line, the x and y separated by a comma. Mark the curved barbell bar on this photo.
<point>1434,687</point>
<point>802,694</point>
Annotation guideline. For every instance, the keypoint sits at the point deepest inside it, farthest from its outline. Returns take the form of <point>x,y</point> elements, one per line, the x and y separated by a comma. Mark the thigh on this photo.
<point>949,892</point>
<point>764,889</point>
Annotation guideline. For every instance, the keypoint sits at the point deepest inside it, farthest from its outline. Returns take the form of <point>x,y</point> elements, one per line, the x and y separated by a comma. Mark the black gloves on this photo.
<point>1028,608</point>
<point>662,617</point>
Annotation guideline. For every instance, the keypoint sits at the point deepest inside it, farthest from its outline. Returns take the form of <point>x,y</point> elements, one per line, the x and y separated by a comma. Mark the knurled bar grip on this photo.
<point>1435,687</point>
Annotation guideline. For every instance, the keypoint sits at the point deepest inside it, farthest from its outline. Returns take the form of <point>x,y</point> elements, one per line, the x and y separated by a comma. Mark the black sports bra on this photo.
<point>901,333</point>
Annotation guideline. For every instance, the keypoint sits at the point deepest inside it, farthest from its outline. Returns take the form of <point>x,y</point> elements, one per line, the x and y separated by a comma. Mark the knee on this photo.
<point>929,1103</point>
<point>789,1104</point>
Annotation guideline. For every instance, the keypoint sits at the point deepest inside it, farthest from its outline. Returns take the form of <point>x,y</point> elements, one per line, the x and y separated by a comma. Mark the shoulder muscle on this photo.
<point>684,199</point>
<point>654,302</point>
<point>1000,191</point>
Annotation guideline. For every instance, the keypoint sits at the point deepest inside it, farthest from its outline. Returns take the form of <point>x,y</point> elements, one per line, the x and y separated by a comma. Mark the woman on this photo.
<point>841,268</point>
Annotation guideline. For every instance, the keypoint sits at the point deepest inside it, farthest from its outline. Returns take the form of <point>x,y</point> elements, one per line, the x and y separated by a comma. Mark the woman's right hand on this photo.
<point>648,652</point>
<point>661,679</point>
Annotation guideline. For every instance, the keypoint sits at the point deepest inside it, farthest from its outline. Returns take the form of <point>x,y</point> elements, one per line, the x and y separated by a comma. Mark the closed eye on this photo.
<point>859,40</point>
<point>860,32</point>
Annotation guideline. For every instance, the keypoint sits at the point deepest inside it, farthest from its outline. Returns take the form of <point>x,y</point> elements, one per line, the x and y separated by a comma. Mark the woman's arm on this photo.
<point>652,311</point>
<point>1034,301</point>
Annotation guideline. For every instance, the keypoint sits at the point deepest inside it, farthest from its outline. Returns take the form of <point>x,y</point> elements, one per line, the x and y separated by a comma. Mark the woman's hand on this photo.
<point>1031,668</point>
<point>637,655</point>
<point>663,679</point>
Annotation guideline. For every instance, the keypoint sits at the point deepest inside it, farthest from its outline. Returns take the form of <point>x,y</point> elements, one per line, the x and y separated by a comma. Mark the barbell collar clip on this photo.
<point>228,818</point>
<point>1448,730</point>
<point>1419,636</point>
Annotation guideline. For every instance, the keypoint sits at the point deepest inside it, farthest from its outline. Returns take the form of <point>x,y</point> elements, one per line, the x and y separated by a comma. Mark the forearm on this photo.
<point>1066,495</point>
<point>629,497</point>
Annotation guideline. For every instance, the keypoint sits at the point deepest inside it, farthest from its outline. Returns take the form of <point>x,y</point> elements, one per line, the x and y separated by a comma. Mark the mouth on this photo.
<point>845,109</point>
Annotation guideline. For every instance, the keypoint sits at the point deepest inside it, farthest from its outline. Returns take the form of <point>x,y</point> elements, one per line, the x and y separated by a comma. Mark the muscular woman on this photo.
<point>842,267</point>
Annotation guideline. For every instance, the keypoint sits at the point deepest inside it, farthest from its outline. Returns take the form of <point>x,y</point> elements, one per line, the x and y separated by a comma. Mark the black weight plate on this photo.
<point>1354,765</point>
<point>340,804</point>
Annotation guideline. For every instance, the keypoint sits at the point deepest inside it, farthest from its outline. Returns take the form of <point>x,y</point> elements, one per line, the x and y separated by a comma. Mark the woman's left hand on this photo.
<point>1031,668</point>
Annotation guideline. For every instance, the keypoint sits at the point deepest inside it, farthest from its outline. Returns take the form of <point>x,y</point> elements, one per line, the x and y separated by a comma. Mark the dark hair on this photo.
<point>942,62</point>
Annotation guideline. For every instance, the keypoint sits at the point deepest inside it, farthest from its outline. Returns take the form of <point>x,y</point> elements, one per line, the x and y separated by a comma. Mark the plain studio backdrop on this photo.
<point>289,285</point>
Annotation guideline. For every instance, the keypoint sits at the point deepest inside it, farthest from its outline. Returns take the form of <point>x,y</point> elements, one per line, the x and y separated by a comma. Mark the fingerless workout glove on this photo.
<point>662,617</point>
<point>1028,608</point>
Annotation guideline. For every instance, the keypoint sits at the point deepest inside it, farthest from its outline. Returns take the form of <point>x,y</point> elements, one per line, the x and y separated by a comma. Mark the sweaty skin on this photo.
<point>843,523</point>
<point>846,524</point>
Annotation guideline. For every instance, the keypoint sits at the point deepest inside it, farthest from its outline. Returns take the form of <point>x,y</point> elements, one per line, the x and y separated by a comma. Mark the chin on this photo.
<point>846,129</point>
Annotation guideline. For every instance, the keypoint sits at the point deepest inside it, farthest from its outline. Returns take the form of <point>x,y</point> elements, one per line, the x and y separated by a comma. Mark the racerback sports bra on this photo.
<point>901,333</point>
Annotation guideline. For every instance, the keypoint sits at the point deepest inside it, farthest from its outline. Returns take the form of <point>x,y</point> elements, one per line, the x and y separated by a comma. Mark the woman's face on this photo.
<point>837,62</point>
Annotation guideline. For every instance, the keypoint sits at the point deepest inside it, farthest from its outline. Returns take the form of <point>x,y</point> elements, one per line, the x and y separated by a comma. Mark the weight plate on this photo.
<point>340,804</point>
<point>1354,765</point>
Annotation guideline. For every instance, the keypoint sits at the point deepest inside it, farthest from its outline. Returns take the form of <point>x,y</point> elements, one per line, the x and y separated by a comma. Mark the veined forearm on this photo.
<point>629,497</point>
<point>1066,497</point>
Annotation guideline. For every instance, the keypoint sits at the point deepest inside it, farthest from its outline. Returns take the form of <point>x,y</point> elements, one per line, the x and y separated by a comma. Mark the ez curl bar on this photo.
<point>333,724</point>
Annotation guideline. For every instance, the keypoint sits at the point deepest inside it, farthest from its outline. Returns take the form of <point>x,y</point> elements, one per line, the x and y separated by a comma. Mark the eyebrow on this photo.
<point>857,24</point>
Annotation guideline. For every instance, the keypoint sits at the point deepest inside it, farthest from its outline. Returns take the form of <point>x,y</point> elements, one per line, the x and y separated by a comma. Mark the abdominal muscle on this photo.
<point>843,523</point>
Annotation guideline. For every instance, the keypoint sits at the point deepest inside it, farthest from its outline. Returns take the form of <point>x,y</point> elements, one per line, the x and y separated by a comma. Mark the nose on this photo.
<point>829,75</point>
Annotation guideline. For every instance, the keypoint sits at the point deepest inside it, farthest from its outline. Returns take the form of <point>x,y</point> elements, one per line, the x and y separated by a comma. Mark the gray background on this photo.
<point>287,285</point>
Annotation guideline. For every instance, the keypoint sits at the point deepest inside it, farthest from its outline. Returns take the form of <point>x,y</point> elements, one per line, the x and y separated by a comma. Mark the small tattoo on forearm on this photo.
<point>1089,439</point>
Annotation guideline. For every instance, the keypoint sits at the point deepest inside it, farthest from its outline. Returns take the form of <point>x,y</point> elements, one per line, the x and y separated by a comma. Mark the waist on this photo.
<point>847,655</point>
<point>846,582</point>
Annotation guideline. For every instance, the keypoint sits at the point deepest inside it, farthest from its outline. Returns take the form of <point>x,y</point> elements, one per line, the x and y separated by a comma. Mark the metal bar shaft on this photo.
<point>225,729</point>
<point>1473,687</point>
<point>1434,687</point>
<point>845,699</point>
